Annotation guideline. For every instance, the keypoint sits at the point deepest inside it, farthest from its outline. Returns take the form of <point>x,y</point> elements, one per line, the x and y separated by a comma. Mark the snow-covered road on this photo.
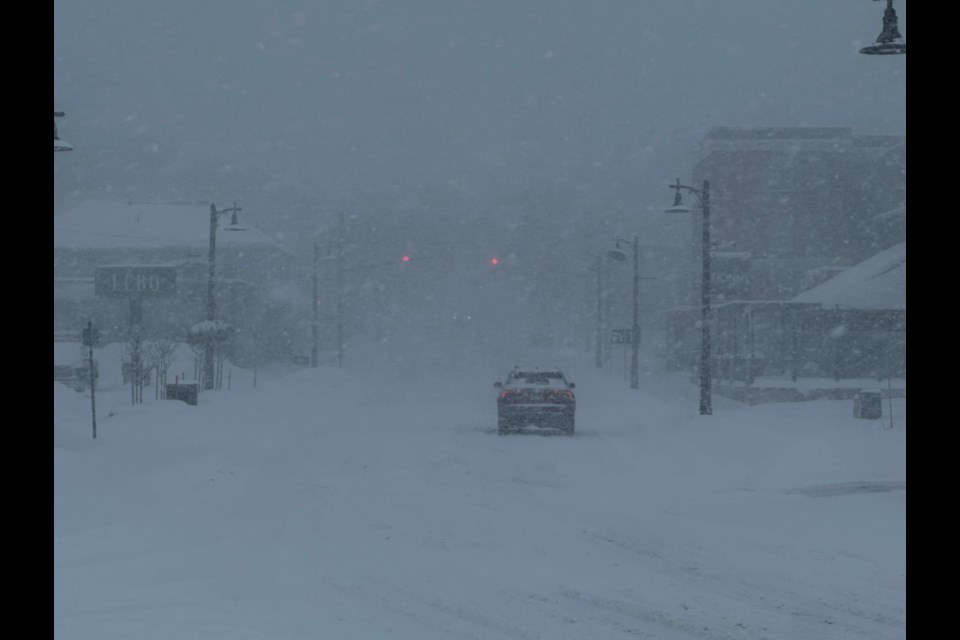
<point>332,504</point>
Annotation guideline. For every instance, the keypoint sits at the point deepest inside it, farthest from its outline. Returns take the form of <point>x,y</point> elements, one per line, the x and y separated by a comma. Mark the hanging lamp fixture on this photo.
<point>890,41</point>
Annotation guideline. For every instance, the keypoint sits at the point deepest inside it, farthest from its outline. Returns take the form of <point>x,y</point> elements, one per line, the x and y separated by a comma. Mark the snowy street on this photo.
<point>460,320</point>
<point>345,504</point>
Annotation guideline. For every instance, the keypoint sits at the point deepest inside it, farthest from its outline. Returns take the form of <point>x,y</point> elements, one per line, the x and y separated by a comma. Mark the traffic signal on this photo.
<point>494,261</point>
<point>406,258</point>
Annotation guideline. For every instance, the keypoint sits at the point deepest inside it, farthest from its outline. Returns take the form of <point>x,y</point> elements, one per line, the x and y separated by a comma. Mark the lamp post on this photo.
<point>598,354</point>
<point>602,309</point>
<point>58,144</point>
<point>315,322</point>
<point>889,42</point>
<point>341,221</point>
<point>703,194</point>
<point>208,366</point>
<point>619,255</point>
<point>334,253</point>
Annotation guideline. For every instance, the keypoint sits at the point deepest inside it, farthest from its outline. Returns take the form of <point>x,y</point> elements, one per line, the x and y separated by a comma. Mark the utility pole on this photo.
<point>706,375</point>
<point>211,265</point>
<point>209,370</point>
<point>340,312</point>
<point>208,366</point>
<point>619,255</point>
<point>635,342</point>
<point>89,336</point>
<point>598,356</point>
<point>316,319</point>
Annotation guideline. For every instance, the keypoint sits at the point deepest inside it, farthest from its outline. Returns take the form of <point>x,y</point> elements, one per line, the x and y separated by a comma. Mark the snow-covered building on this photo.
<point>808,272</point>
<point>877,283</point>
<point>800,202</point>
<point>123,263</point>
<point>857,320</point>
<point>850,326</point>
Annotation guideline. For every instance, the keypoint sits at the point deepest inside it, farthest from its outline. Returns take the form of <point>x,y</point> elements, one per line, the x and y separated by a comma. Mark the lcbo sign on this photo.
<point>135,282</point>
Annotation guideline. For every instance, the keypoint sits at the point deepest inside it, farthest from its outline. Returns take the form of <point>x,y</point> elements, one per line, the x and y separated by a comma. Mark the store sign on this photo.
<point>135,282</point>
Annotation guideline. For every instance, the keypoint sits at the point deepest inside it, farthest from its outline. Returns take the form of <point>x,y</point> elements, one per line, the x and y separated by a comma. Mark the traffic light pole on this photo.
<point>90,338</point>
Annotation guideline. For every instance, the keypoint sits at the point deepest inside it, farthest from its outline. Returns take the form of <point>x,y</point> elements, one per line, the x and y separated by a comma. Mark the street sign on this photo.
<point>621,336</point>
<point>135,282</point>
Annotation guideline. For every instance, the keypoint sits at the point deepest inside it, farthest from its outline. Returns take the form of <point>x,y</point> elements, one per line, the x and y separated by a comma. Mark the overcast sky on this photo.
<point>298,99</point>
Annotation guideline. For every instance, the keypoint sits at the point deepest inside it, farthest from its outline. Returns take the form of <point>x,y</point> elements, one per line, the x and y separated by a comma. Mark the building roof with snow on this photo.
<point>151,225</point>
<point>880,282</point>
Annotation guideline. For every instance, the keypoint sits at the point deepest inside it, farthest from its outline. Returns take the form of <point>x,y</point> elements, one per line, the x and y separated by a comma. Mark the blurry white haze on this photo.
<point>412,197</point>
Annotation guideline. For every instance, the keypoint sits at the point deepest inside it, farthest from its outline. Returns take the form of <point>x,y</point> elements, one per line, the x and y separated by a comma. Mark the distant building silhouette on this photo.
<point>799,200</point>
<point>808,268</point>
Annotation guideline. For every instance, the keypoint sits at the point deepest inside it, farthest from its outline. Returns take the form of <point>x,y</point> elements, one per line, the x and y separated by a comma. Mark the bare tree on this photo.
<point>163,351</point>
<point>221,356</point>
<point>148,366</point>
<point>133,363</point>
<point>199,350</point>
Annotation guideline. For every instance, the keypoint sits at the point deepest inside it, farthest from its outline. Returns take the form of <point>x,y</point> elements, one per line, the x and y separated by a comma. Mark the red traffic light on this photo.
<point>494,261</point>
<point>406,258</point>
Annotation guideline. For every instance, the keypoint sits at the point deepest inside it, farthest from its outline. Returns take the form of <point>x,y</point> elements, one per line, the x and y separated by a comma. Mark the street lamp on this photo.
<point>211,331</point>
<point>315,322</point>
<point>889,42</point>
<point>58,144</point>
<point>602,310</point>
<point>703,195</point>
<point>617,254</point>
<point>598,353</point>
